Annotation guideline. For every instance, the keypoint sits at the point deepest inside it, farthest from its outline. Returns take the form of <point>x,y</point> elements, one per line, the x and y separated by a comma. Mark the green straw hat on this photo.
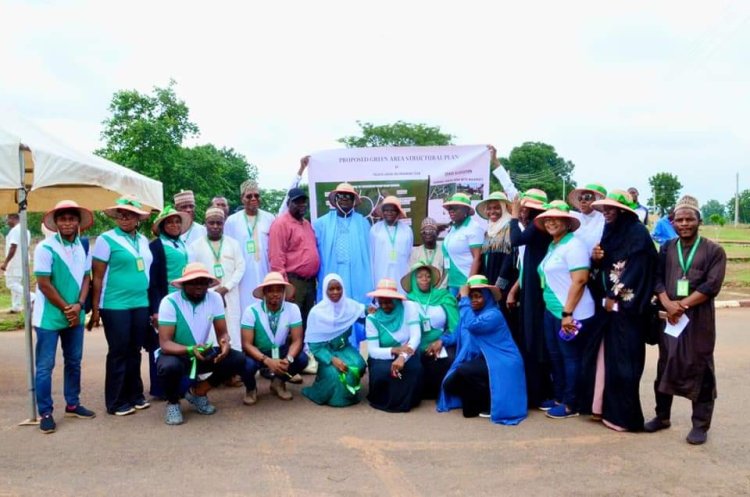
<point>559,210</point>
<point>460,200</point>
<point>168,212</point>
<point>617,198</point>
<point>494,197</point>
<point>479,281</point>
<point>434,272</point>
<point>596,189</point>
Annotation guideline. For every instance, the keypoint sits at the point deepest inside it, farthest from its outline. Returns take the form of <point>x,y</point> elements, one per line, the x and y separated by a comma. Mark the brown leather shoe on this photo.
<point>279,388</point>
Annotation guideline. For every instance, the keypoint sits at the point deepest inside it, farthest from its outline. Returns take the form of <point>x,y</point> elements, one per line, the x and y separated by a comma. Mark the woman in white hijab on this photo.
<point>340,367</point>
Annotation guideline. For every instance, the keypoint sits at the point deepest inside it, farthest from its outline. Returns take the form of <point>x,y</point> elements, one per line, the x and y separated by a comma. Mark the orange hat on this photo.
<point>272,279</point>
<point>87,217</point>
<point>387,288</point>
<point>194,271</point>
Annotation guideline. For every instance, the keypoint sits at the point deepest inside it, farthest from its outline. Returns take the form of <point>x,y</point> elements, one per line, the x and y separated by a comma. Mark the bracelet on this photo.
<point>190,352</point>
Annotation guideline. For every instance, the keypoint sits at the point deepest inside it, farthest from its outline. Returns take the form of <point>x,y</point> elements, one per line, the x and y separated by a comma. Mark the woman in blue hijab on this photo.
<point>487,376</point>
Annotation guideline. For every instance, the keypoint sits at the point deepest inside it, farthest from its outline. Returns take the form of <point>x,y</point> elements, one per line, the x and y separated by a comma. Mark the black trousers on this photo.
<point>703,406</point>
<point>304,294</point>
<point>125,331</point>
<point>471,382</point>
<point>171,369</point>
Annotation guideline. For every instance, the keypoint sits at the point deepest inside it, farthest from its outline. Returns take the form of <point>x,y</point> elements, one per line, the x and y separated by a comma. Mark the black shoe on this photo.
<point>79,412</point>
<point>141,404</point>
<point>656,424</point>
<point>696,437</point>
<point>267,373</point>
<point>47,424</point>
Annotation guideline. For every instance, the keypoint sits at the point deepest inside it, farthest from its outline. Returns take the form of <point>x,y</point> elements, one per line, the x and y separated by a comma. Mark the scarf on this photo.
<point>438,297</point>
<point>392,322</point>
<point>329,319</point>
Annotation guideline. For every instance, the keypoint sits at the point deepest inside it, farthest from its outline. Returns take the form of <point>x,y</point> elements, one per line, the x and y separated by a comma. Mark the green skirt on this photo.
<point>328,389</point>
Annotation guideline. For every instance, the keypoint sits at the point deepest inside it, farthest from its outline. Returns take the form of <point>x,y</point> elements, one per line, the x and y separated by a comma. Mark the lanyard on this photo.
<point>392,239</point>
<point>691,255</point>
<point>177,244</point>
<point>250,231</point>
<point>217,255</point>
<point>134,242</point>
<point>273,320</point>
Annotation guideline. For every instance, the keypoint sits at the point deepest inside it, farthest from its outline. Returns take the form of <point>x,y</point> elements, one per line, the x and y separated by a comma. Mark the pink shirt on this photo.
<point>292,247</point>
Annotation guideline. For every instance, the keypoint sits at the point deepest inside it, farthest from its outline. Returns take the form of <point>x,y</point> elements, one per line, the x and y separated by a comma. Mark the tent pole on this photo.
<point>22,213</point>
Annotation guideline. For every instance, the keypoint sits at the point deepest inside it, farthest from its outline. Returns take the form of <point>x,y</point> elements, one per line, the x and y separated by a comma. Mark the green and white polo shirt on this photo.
<point>176,255</point>
<point>128,259</point>
<point>564,257</point>
<point>256,318</point>
<point>65,264</point>
<point>457,247</point>
<point>193,322</point>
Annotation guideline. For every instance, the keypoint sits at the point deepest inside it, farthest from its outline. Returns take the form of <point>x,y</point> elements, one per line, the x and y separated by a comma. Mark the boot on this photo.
<point>279,388</point>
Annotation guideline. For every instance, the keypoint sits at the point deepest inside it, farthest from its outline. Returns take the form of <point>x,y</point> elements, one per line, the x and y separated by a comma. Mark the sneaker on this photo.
<point>251,397</point>
<point>173,414</point>
<point>201,403</point>
<point>279,388</point>
<point>656,424</point>
<point>142,404</point>
<point>697,437</point>
<point>547,405</point>
<point>312,365</point>
<point>79,412</point>
<point>47,424</point>
<point>124,410</point>
<point>561,412</point>
<point>296,379</point>
<point>484,415</point>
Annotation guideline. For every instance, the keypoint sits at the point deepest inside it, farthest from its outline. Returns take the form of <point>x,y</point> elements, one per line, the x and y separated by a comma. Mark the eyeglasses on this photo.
<point>126,215</point>
<point>344,196</point>
<point>586,197</point>
<point>252,195</point>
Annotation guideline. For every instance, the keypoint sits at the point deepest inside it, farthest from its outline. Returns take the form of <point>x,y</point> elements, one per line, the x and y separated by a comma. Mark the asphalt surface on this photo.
<point>296,448</point>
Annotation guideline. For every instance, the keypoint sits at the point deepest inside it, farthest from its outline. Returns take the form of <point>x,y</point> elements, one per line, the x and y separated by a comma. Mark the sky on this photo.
<point>623,89</point>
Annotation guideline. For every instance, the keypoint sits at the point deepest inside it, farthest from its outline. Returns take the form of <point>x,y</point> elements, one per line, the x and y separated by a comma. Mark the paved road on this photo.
<point>297,448</point>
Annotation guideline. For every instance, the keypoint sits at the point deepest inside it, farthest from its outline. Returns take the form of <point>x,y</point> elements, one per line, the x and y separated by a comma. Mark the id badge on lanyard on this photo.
<point>218,270</point>
<point>250,246</point>
<point>426,325</point>
<point>393,255</point>
<point>683,287</point>
<point>275,352</point>
<point>139,264</point>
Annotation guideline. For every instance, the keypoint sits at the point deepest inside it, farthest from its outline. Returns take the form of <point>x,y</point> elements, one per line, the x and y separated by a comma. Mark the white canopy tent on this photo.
<point>37,171</point>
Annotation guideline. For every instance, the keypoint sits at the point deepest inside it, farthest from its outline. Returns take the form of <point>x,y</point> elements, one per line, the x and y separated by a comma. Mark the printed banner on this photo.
<point>421,177</point>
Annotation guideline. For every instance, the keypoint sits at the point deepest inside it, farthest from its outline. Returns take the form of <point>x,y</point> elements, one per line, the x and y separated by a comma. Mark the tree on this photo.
<point>146,133</point>
<point>744,207</point>
<point>711,208</point>
<point>666,188</point>
<point>398,134</point>
<point>537,165</point>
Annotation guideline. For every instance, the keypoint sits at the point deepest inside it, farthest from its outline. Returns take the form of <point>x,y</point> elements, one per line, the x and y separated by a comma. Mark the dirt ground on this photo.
<point>295,448</point>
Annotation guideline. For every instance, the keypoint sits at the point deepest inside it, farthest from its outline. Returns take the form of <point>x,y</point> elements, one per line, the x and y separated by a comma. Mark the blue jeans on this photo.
<point>565,358</point>
<point>252,366</point>
<point>71,340</point>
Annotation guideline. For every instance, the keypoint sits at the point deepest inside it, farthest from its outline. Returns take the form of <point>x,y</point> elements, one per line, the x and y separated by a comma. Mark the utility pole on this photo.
<point>737,201</point>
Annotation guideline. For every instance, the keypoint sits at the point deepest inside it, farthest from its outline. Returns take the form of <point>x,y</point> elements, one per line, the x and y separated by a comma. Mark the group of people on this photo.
<point>549,306</point>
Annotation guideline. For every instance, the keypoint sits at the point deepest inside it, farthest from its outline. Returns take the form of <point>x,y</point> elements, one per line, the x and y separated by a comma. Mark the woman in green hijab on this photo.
<point>438,311</point>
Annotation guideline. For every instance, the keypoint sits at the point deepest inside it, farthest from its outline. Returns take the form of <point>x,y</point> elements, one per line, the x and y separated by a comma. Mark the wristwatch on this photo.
<point>290,359</point>
<point>567,314</point>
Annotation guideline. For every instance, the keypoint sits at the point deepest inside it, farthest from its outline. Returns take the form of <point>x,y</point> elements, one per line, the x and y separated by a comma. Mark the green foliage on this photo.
<point>398,134</point>
<point>146,134</point>
<point>270,200</point>
<point>716,219</point>
<point>537,165</point>
<point>744,207</point>
<point>712,208</point>
<point>666,188</point>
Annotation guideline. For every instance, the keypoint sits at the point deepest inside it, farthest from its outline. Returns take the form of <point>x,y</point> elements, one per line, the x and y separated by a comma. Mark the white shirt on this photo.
<point>410,333</point>
<point>591,229</point>
<point>567,256</point>
<point>390,248</point>
<point>14,238</point>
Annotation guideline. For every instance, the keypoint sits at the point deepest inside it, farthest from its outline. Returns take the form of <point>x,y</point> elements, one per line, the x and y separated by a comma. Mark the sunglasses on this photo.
<point>586,197</point>
<point>344,196</point>
<point>126,215</point>
<point>252,195</point>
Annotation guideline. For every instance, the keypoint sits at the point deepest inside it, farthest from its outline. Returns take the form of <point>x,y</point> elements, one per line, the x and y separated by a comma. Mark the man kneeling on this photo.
<point>185,320</point>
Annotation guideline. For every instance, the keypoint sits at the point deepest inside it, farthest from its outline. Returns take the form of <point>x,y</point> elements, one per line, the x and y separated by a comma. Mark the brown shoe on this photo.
<point>233,382</point>
<point>251,397</point>
<point>279,388</point>
<point>296,379</point>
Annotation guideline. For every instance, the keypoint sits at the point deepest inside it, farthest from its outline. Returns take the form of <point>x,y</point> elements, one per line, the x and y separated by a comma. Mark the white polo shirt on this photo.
<point>564,257</point>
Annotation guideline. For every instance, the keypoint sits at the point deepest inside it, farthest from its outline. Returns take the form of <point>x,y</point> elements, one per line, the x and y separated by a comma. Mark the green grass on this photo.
<point>8,321</point>
<point>727,232</point>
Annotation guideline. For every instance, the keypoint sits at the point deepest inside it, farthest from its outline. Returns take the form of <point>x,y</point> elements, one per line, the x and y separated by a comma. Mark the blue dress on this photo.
<point>486,333</point>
